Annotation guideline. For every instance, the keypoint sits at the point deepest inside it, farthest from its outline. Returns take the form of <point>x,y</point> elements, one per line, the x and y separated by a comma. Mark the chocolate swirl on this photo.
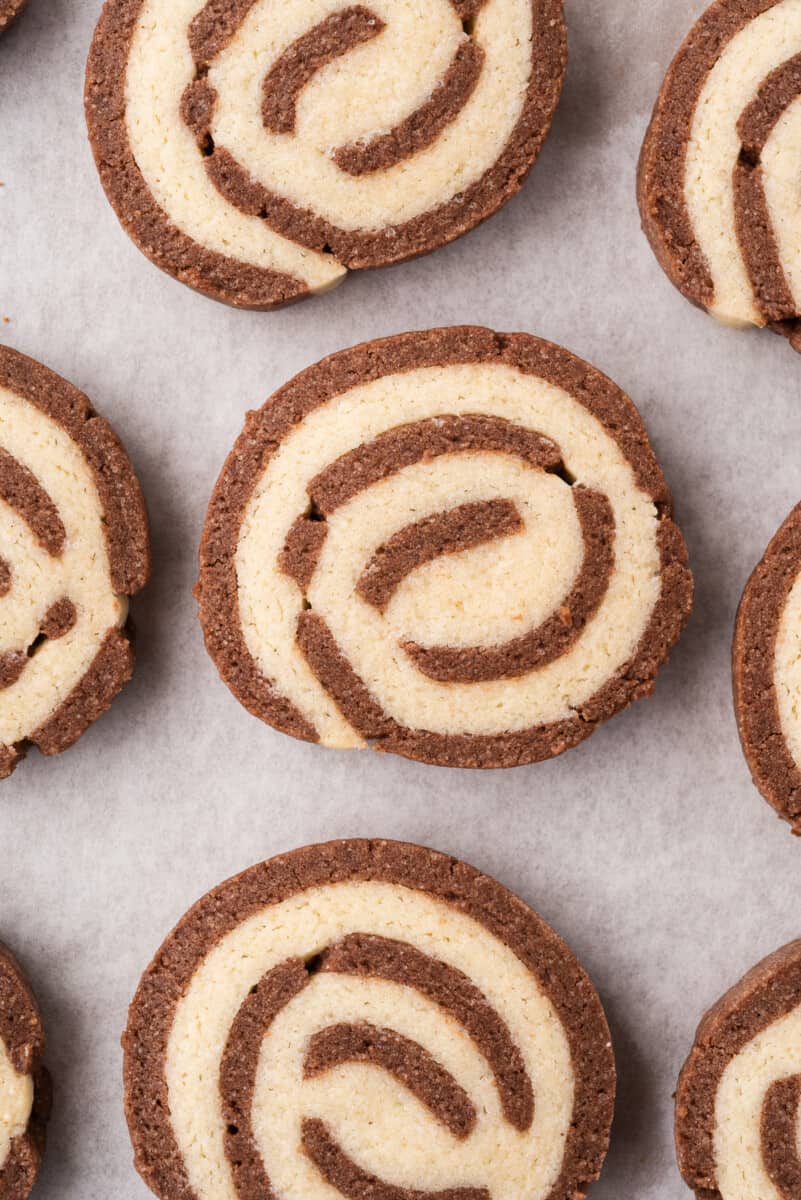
<point>24,1083</point>
<point>73,547</point>
<point>737,1102</point>
<point>715,189</point>
<point>367,135</point>
<point>422,544</point>
<point>766,668</point>
<point>371,1018</point>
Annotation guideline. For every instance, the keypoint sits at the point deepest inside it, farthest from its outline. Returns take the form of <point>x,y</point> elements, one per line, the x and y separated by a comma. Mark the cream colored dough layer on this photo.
<point>16,1103</point>
<point>772,1055</point>
<point>714,147</point>
<point>787,671</point>
<point>367,92</point>
<point>160,68</point>
<point>375,1119</point>
<point>431,603</point>
<point>81,573</point>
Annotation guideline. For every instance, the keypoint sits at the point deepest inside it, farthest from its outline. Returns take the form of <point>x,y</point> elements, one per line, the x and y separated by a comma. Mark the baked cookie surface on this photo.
<point>454,545</point>
<point>737,1102</point>
<point>9,9</point>
<point>717,171</point>
<point>767,672</point>
<point>368,133</point>
<point>73,547</point>
<point>366,1018</point>
<point>24,1083</point>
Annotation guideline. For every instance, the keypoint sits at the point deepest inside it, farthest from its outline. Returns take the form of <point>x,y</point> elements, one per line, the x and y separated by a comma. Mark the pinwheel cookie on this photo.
<point>738,1107</point>
<point>718,180</point>
<point>259,150</point>
<point>367,1018</point>
<point>73,548</point>
<point>767,672</point>
<point>9,9</point>
<point>24,1083</point>
<point>454,545</point>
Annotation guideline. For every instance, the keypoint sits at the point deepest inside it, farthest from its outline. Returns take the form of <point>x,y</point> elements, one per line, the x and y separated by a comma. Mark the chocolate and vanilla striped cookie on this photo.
<point>9,9</point>
<point>24,1083</point>
<point>718,180</point>
<point>454,545</point>
<point>367,1019</point>
<point>767,672</point>
<point>259,150</point>
<point>738,1103</point>
<point>73,547</point>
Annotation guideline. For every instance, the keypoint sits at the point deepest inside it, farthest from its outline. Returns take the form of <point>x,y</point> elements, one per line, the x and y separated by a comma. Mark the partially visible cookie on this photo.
<point>767,672</point>
<point>738,1102</point>
<point>454,545</point>
<point>367,1019</point>
<point>718,171</point>
<point>9,9</point>
<point>74,546</point>
<point>259,152</point>
<point>24,1083</point>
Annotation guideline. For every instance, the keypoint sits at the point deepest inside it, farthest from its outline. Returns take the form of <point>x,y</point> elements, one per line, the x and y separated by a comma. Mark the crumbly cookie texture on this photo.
<point>766,664</point>
<point>74,547</point>
<point>367,1018</point>
<point>737,1102</point>
<point>368,134</point>
<point>9,9</point>
<point>24,1083</point>
<point>453,545</point>
<point>717,171</point>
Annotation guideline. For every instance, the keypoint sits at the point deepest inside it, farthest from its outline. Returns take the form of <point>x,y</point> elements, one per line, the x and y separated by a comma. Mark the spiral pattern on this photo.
<point>366,1018</point>
<point>455,545</point>
<point>720,164</point>
<point>368,133</point>
<point>738,1103</point>
<point>73,547</point>
<point>767,671</point>
<point>24,1084</point>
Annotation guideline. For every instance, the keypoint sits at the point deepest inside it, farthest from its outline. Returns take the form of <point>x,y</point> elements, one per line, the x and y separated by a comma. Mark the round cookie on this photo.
<point>366,1018</point>
<point>767,672</point>
<point>367,134</point>
<point>9,9</point>
<point>454,545</point>
<point>73,547</point>
<point>718,167</point>
<point>737,1103</point>
<point>24,1083</point>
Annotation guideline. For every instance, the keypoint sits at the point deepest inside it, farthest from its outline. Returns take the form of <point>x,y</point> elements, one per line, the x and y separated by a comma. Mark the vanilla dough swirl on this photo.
<point>259,150</point>
<point>366,1018</point>
<point>453,545</point>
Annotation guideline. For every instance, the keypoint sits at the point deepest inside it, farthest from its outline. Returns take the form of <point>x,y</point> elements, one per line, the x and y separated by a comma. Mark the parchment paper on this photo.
<point>647,848</point>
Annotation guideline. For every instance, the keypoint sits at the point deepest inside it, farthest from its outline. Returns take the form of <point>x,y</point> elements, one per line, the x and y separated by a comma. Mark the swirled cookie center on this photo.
<point>402,117</point>
<point>376,1122</point>
<point>486,596</point>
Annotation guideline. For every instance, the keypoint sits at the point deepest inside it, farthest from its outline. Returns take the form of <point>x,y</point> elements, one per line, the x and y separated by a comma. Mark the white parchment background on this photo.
<point>647,848</point>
